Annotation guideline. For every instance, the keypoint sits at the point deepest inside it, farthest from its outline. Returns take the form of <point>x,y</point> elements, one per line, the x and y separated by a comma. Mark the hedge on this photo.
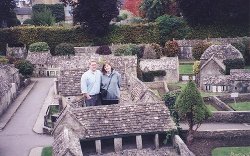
<point>118,34</point>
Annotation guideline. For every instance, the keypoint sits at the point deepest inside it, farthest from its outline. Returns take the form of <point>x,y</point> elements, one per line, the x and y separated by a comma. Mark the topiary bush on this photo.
<point>199,49</point>
<point>25,67</point>
<point>64,49</point>
<point>171,49</point>
<point>236,63</point>
<point>103,50</point>
<point>196,67</point>
<point>44,17</point>
<point>129,50</point>
<point>244,48</point>
<point>39,47</point>
<point>158,49</point>
<point>152,51</point>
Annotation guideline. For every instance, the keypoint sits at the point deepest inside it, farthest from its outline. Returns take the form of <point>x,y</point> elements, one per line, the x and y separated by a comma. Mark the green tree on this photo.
<point>25,67</point>
<point>95,15</point>
<point>7,15</point>
<point>44,17</point>
<point>191,107</point>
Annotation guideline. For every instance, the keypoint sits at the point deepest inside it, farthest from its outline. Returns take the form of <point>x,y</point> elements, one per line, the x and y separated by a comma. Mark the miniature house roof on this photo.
<point>117,120</point>
<point>221,52</point>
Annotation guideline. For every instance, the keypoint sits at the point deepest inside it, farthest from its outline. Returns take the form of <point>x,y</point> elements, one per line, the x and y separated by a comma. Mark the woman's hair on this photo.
<point>103,67</point>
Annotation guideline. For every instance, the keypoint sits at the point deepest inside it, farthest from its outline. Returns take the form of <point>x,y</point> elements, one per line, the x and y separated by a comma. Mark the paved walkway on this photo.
<point>17,137</point>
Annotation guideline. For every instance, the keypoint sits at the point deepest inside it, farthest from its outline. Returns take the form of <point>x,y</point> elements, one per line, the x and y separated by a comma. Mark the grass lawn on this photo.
<point>247,67</point>
<point>211,108</point>
<point>241,106</point>
<point>47,151</point>
<point>231,151</point>
<point>186,69</point>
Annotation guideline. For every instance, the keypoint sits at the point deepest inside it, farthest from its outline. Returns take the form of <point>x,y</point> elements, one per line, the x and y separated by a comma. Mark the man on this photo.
<point>90,85</point>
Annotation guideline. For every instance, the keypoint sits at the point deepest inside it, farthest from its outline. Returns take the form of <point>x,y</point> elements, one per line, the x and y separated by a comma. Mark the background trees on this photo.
<point>95,15</point>
<point>215,11</point>
<point>191,107</point>
<point>7,14</point>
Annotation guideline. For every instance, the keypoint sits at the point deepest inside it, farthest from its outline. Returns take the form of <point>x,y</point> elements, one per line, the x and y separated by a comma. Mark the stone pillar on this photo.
<point>118,144</point>
<point>98,146</point>
<point>139,142</point>
<point>156,141</point>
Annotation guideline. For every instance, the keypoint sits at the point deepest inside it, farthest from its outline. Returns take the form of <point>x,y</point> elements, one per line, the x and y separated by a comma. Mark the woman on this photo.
<point>110,81</point>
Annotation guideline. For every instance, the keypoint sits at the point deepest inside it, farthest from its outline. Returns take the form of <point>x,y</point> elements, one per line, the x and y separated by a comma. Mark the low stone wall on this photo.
<point>206,141</point>
<point>181,146</point>
<point>218,104</point>
<point>230,117</point>
<point>229,99</point>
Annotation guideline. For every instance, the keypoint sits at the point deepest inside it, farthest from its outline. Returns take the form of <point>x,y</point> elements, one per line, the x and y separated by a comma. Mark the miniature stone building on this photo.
<point>17,52</point>
<point>211,75</point>
<point>39,60</point>
<point>91,130</point>
<point>168,64</point>
<point>9,84</point>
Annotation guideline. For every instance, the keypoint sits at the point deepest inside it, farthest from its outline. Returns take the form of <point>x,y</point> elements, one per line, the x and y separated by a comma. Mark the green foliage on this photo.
<point>171,49</point>
<point>149,76</point>
<point>95,15</point>
<point>7,14</point>
<point>199,49</point>
<point>153,8</point>
<point>236,63</point>
<point>191,107</point>
<point>39,47</point>
<point>64,49</point>
<point>57,10</point>
<point>244,48</point>
<point>129,50</point>
<point>231,151</point>
<point>28,21</point>
<point>158,49</point>
<point>103,50</point>
<point>3,60</point>
<point>152,51</point>
<point>196,67</point>
<point>171,27</point>
<point>47,151</point>
<point>25,67</point>
<point>213,12</point>
<point>44,17</point>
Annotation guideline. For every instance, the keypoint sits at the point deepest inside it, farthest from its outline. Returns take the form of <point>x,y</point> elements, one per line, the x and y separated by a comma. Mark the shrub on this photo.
<point>149,76</point>
<point>171,27</point>
<point>64,49</point>
<point>39,47</point>
<point>171,49</point>
<point>128,50</point>
<point>44,17</point>
<point>28,21</point>
<point>196,67</point>
<point>25,67</point>
<point>236,63</point>
<point>152,51</point>
<point>199,49</point>
<point>244,48</point>
<point>103,50</point>
<point>57,10</point>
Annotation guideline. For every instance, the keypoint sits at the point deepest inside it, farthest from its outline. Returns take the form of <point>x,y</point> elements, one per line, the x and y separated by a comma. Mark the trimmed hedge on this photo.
<point>118,34</point>
<point>103,50</point>
<point>149,76</point>
<point>64,49</point>
<point>39,47</point>
<point>236,63</point>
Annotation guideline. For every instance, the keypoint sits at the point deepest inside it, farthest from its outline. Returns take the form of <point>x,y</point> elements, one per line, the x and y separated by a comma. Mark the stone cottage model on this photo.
<point>211,75</point>
<point>127,129</point>
<point>39,60</point>
<point>9,84</point>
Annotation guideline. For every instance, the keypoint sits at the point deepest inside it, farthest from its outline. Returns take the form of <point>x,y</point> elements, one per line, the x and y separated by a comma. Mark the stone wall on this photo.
<point>230,117</point>
<point>206,141</point>
<point>168,64</point>
<point>181,146</point>
<point>228,99</point>
<point>220,105</point>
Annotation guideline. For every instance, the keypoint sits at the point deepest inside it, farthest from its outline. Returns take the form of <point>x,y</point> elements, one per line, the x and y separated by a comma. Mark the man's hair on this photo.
<point>92,60</point>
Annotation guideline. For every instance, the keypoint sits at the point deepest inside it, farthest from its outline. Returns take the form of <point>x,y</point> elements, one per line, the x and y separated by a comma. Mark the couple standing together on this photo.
<point>93,81</point>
